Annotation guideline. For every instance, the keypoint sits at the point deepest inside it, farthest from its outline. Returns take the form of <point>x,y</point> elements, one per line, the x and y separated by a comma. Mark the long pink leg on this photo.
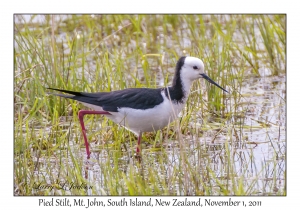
<point>138,149</point>
<point>81,114</point>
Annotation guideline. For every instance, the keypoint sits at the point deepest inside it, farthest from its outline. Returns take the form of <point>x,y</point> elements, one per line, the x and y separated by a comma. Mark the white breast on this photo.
<point>140,120</point>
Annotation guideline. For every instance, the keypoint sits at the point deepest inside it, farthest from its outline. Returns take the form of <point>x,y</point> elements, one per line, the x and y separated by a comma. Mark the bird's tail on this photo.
<point>73,93</point>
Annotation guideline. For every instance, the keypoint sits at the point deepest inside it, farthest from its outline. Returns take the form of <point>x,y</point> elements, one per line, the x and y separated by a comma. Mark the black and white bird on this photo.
<point>142,109</point>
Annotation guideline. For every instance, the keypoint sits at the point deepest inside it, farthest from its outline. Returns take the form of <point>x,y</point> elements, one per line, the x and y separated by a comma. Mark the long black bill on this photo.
<point>212,82</point>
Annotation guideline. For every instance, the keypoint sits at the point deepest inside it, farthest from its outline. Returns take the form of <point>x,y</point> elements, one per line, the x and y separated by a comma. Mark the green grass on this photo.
<point>212,149</point>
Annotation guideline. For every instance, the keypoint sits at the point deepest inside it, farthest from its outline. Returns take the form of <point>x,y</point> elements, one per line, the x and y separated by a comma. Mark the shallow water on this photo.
<point>257,152</point>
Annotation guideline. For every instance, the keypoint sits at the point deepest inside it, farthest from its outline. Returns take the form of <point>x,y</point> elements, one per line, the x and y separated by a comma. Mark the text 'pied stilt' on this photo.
<point>142,109</point>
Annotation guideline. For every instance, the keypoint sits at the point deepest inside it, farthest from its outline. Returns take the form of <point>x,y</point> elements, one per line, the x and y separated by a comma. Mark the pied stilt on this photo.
<point>142,109</point>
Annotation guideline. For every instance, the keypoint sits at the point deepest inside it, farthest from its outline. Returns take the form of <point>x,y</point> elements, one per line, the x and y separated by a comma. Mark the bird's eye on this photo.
<point>195,67</point>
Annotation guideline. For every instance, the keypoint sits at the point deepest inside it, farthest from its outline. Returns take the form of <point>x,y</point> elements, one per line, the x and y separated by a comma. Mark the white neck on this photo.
<point>186,85</point>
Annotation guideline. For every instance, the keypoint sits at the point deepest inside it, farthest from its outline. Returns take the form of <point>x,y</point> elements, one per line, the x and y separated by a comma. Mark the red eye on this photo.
<point>195,67</point>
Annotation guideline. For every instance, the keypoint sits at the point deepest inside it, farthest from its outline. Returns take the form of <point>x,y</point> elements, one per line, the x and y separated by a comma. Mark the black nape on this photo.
<point>176,91</point>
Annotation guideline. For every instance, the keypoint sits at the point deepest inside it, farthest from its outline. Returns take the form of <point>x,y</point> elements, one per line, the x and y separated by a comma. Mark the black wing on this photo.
<point>136,98</point>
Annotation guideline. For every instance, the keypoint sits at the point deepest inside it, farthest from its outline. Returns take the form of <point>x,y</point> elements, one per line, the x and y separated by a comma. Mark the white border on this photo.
<point>8,201</point>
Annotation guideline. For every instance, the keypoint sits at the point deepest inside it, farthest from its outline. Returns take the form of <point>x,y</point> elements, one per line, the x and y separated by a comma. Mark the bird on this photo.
<point>142,109</point>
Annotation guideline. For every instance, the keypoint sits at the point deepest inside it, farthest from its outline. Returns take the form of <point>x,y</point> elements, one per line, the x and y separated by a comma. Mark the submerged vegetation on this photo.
<point>222,144</point>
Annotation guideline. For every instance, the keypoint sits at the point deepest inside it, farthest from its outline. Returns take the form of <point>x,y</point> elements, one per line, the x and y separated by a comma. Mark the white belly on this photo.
<point>139,120</point>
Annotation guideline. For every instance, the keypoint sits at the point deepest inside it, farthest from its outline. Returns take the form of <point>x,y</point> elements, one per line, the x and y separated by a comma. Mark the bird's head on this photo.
<point>191,68</point>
